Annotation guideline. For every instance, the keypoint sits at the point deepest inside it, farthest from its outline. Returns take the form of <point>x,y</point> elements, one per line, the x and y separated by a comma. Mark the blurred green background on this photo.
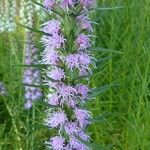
<point>123,45</point>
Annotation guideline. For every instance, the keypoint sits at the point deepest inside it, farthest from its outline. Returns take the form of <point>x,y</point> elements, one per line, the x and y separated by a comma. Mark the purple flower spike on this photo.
<point>67,56</point>
<point>31,75</point>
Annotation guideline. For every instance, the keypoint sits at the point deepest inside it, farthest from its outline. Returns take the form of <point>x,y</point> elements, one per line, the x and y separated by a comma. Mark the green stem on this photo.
<point>28,129</point>
<point>33,128</point>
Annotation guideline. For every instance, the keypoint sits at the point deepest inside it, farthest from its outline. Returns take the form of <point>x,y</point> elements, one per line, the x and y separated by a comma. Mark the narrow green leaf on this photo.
<point>22,41</point>
<point>37,3</point>
<point>43,104</point>
<point>108,8</point>
<point>101,118</point>
<point>83,77</point>
<point>100,49</point>
<point>45,9</point>
<point>35,30</point>
<point>100,147</point>
<point>103,59</point>
<point>97,91</point>
<point>94,146</point>
<point>33,85</point>
<point>32,65</point>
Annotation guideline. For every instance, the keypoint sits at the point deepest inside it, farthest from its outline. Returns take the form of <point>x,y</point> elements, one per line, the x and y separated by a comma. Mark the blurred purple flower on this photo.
<point>28,104</point>
<point>31,75</point>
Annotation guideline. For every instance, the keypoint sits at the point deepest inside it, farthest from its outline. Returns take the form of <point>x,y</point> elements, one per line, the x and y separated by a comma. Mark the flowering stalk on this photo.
<point>2,22</point>
<point>7,15</point>
<point>31,75</point>
<point>66,50</point>
<point>27,11</point>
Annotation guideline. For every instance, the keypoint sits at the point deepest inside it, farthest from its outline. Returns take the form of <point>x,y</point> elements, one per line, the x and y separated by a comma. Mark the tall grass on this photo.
<point>126,31</point>
<point>124,109</point>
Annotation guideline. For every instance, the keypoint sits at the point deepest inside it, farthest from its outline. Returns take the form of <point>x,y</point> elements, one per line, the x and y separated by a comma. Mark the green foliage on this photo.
<point>123,43</point>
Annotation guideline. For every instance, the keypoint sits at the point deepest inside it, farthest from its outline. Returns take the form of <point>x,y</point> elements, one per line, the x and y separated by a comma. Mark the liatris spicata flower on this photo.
<point>66,51</point>
<point>31,75</point>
